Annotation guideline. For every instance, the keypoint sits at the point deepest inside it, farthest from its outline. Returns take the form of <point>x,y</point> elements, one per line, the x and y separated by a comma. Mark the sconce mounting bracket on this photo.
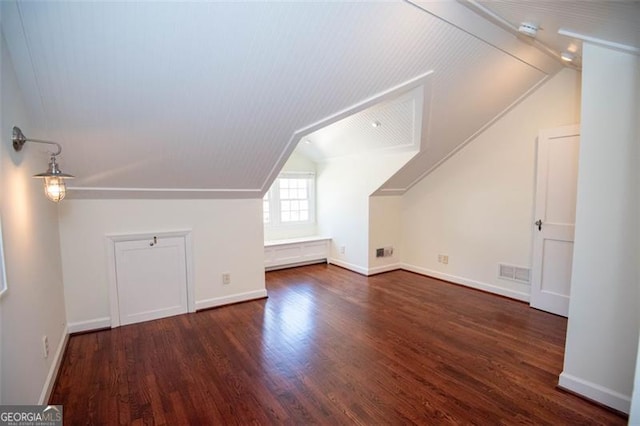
<point>18,138</point>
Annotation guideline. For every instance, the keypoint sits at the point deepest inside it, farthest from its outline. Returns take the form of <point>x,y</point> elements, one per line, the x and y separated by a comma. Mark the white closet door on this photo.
<point>556,188</point>
<point>151,278</point>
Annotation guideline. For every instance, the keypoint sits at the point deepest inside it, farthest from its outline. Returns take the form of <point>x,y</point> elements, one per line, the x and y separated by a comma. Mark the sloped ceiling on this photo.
<point>616,22</point>
<point>394,125</point>
<point>612,23</point>
<point>199,99</point>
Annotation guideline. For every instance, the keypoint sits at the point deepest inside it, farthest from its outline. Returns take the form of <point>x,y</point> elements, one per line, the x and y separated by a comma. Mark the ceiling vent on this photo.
<point>514,273</point>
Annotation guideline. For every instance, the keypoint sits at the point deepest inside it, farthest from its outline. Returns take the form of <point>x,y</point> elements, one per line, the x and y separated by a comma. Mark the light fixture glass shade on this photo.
<point>54,186</point>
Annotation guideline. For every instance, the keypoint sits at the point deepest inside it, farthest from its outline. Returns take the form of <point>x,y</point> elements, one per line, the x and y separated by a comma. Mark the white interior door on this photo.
<point>555,212</point>
<point>151,278</point>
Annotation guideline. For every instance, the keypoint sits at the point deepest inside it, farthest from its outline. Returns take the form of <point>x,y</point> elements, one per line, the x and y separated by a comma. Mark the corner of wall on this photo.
<point>476,208</point>
<point>33,307</point>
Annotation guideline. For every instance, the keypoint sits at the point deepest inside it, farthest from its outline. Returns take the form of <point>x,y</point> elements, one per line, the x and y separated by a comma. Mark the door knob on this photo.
<point>539,223</point>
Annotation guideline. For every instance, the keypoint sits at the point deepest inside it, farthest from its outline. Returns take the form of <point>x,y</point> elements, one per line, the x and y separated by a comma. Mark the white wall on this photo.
<point>477,207</point>
<point>299,163</point>
<point>634,415</point>
<point>385,230</point>
<point>343,189</point>
<point>296,163</point>
<point>33,306</point>
<point>227,238</point>
<point>602,334</point>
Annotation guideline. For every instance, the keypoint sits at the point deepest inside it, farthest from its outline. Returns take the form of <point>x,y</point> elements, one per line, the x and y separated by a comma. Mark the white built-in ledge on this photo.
<point>295,252</point>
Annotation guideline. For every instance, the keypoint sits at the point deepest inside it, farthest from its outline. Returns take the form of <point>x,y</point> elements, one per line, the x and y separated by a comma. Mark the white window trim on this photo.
<point>274,201</point>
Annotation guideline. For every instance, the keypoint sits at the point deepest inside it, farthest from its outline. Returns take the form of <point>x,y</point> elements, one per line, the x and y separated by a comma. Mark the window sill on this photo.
<point>299,240</point>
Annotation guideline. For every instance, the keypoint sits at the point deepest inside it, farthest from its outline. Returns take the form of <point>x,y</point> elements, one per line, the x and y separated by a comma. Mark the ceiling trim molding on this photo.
<point>465,17</point>
<point>513,29</point>
<point>160,193</point>
<point>480,131</point>
<point>399,191</point>
<point>600,42</point>
<point>388,192</point>
<point>419,81</point>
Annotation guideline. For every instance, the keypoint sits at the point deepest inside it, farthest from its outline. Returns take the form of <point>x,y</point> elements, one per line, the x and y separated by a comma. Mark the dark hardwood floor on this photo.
<point>333,347</point>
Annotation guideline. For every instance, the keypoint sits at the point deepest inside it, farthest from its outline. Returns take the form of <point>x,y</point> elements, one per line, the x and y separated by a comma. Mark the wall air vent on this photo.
<point>514,273</point>
<point>384,252</point>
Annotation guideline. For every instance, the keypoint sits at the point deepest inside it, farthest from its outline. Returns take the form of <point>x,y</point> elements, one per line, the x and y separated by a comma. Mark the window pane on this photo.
<point>265,208</point>
<point>292,199</point>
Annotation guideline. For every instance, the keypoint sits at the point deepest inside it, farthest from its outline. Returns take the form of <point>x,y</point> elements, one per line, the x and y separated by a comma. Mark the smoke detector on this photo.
<point>528,29</point>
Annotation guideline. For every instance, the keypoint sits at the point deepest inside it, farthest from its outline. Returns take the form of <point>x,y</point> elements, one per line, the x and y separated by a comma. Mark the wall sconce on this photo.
<point>54,186</point>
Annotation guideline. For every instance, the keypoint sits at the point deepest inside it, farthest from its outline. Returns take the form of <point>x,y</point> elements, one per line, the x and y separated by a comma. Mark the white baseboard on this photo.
<point>513,294</point>
<point>350,266</point>
<point>94,324</point>
<point>227,300</point>
<point>383,268</point>
<point>595,392</point>
<point>55,366</point>
<point>294,265</point>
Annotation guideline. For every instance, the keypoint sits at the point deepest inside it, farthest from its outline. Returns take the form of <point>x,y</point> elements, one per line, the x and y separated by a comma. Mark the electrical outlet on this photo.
<point>439,258</point>
<point>45,346</point>
<point>388,251</point>
<point>342,249</point>
<point>445,259</point>
<point>226,278</point>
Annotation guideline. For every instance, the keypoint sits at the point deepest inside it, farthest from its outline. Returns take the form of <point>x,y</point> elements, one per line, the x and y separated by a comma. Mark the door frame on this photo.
<point>547,134</point>
<point>112,239</point>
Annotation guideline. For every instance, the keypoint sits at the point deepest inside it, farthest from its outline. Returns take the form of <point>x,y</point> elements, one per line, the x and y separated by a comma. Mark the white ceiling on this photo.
<point>609,21</point>
<point>208,99</point>
<point>398,121</point>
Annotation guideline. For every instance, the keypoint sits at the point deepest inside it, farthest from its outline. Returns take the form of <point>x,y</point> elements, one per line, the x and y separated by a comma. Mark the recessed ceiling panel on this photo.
<point>207,95</point>
<point>392,125</point>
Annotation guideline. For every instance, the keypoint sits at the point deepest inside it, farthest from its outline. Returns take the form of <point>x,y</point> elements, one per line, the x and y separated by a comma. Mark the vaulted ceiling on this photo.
<point>616,22</point>
<point>208,99</point>
<point>395,125</point>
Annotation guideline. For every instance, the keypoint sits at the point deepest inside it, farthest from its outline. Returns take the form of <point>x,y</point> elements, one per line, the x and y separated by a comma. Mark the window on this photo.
<point>291,200</point>
<point>265,208</point>
<point>294,200</point>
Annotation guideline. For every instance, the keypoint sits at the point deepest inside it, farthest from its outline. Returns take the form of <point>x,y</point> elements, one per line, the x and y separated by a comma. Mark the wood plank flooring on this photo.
<point>330,347</point>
